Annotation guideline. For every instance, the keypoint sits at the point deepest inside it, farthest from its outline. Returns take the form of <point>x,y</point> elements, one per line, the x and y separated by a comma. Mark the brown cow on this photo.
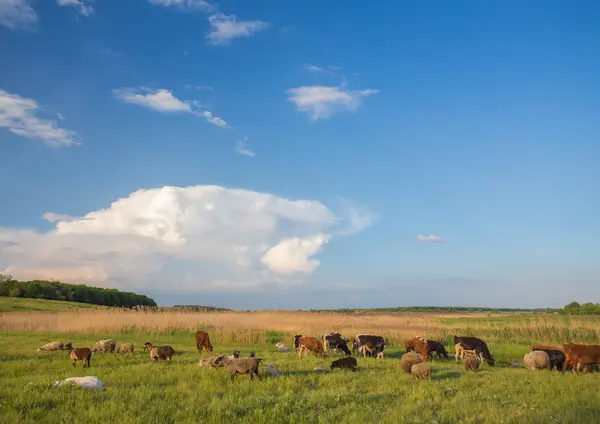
<point>422,348</point>
<point>202,340</point>
<point>578,354</point>
<point>311,344</point>
<point>409,344</point>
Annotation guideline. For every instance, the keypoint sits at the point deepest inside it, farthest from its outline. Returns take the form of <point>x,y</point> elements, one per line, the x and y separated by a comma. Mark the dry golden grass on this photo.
<point>254,327</point>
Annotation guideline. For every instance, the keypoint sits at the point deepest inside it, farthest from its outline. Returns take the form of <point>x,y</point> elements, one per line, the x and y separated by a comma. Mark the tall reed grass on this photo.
<point>270,326</point>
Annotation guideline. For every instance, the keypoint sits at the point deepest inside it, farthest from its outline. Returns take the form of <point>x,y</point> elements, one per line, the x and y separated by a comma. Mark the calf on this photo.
<point>437,347</point>
<point>83,354</point>
<point>479,345</point>
<point>345,363</point>
<point>203,341</point>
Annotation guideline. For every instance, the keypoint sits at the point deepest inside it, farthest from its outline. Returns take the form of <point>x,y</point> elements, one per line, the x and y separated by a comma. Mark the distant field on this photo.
<point>12,304</point>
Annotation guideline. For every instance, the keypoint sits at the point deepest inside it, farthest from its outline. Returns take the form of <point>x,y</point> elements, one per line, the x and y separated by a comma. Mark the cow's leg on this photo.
<point>566,364</point>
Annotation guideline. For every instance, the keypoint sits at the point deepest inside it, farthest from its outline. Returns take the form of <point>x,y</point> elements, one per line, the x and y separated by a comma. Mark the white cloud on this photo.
<point>84,9</point>
<point>241,147</point>
<point>18,114</point>
<point>17,14</point>
<point>320,102</point>
<point>294,254</point>
<point>429,239</point>
<point>225,28</point>
<point>60,116</point>
<point>195,238</point>
<point>214,119</point>
<point>162,100</point>
<point>201,5</point>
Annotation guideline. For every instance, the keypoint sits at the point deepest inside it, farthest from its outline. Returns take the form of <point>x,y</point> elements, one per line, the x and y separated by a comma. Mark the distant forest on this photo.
<point>54,290</point>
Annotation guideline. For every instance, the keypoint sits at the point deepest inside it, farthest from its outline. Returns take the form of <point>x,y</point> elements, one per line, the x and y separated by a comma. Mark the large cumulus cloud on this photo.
<point>189,238</point>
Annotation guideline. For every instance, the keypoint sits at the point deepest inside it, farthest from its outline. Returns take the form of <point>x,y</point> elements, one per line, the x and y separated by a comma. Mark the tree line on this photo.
<point>55,290</point>
<point>574,308</point>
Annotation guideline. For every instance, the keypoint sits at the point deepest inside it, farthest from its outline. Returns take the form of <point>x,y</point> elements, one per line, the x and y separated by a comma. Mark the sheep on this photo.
<point>125,348</point>
<point>472,361</point>
<point>538,359</point>
<point>282,348</point>
<point>52,346</point>
<point>347,362</point>
<point>107,345</point>
<point>242,366</point>
<point>235,354</point>
<point>421,371</point>
<point>84,354</point>
<point>159,352</point>
<point>271,370</point>
<point>319,370</point>
<point>212,362</point>
<point>409,359</point>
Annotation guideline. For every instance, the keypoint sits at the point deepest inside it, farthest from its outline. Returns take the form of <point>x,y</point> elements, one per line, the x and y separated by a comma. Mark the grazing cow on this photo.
<point>478,345</point>
<point>335,341</point>
<point>578,355</point>
<point>409,344</point>
<point>345,363</point>
<point>437,347</point>
<point>421,347</point>
<point>84,354</point>
<point>374,343</point>
<point>311,344</point>
<point>203,341</point>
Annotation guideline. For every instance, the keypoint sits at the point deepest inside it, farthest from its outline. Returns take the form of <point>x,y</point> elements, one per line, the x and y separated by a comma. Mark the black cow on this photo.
<point>375,344</point>
<point>473,343</point>
<point>335,341</point>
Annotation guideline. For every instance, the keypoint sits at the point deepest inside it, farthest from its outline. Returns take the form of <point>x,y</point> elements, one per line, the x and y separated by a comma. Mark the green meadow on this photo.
<point>138,391</point>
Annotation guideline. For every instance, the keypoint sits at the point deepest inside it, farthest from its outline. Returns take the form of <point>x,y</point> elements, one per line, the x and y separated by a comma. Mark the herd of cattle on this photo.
<point>472,351</point>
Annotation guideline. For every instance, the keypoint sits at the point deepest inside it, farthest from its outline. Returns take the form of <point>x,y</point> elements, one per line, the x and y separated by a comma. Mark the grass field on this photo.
<point>13,304</point>
<point>138,391</point>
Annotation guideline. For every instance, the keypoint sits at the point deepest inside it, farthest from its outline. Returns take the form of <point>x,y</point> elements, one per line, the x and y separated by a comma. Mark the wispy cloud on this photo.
<point>84,9</point>
<point>241,147</point>
<point>329,70</point>
<point>53,217</point>
<point>18,114</point>
<point>225,28</point>
<point>198,87</point>
<point>429,239</point>
<point>17,15</point>
<point>320,102</point>
<point>200,5</point>
<point>162,100</point>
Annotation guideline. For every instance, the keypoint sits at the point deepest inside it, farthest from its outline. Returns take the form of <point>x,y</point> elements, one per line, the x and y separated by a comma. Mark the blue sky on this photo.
<point>302,154</point>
